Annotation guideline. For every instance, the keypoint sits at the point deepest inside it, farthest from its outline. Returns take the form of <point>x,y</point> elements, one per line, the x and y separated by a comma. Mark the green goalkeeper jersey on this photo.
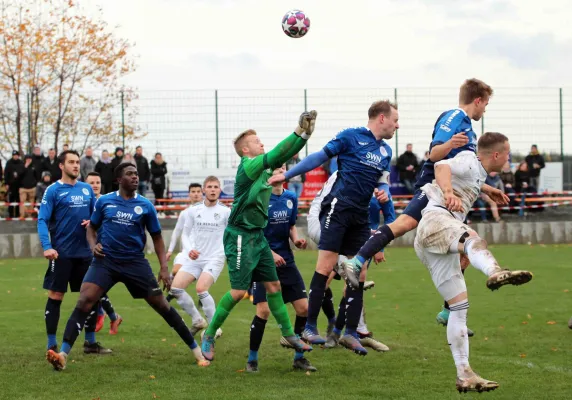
<point>251,190</point>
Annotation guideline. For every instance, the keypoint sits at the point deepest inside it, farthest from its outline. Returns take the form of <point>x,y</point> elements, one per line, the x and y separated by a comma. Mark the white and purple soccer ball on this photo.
<point>295,24</point>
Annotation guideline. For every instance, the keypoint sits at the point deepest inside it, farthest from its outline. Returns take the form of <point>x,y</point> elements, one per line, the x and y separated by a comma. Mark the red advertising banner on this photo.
<point>315,179</point>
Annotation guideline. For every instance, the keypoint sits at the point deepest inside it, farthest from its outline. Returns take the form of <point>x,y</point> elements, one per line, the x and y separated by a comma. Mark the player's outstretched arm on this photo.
<point>44,216</point>
<point>309,163</point>
<point>497,195</point>
<point>286,149</point>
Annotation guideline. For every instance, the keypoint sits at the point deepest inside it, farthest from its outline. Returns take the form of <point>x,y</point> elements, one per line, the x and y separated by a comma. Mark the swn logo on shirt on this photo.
<point>373,157</point>
<point>280,214</point>
<point>124,215</point>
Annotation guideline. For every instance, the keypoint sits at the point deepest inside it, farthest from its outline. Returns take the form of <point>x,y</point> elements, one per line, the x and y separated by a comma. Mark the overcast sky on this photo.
<point>188,44</point>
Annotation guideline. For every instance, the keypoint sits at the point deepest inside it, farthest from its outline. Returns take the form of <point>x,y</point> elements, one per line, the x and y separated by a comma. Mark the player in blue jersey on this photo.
<point>363,165</point>
<point>65,210</point>
<point>105,307</point>
<point>117,238</point>
<point>452,134</point>
<point>281,228</point>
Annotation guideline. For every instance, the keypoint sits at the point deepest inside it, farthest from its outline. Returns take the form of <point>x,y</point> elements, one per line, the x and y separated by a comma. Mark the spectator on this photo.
<point>129,158</point>
<point>295,184</point>
<point>14,166</point>
<point>495,181</point>
<point>421,164</point>
<point>105,170</point>
<point>28,183</point>
<point>118,159</point>
<point>43,185</point>
<point>142,169</point>
<point>65,147</point>
<point>38,161</point>
<point>408,165</point>
<point>535,163</point>
<point>158,179</point>
<point>87,163</point>
<point>522,185</point>
<point>52,165</point>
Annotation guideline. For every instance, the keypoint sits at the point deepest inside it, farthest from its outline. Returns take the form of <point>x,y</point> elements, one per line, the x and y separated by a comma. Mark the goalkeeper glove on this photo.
<point>306,124</point>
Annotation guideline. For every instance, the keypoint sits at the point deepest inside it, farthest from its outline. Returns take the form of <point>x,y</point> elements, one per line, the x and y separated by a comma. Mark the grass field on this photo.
<point>522,341</point>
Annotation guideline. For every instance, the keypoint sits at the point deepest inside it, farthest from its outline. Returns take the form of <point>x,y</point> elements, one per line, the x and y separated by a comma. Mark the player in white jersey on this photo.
<point>336,324</point>
<point>442,235</point>
<point>195,197</point>
<point>203,229</point>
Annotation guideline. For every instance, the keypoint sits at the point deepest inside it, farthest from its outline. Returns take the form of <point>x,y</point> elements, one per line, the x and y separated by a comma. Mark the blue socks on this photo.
<point>66,347</point>
<point>52,341</point>
<point>252,356</point>
<point>90,337</point>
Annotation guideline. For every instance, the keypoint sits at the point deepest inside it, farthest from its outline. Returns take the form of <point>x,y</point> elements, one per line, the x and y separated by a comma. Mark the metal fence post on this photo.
<point>123,118</point>
<point>397,130</point>
<point>216,128</point>
<point>306,109</point>
<point>561,126</point>
<point>29,105</point>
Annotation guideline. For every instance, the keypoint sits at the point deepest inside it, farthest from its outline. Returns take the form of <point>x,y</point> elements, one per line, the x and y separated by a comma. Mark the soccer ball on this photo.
<point>295,24</point>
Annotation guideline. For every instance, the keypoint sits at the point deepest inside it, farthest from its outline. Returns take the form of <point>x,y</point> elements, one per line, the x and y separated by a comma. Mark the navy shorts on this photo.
<point>64,271</point>
<point>293,287</point>
<point>343,228</point>
<point>416,205</point>
<point>136,275</point>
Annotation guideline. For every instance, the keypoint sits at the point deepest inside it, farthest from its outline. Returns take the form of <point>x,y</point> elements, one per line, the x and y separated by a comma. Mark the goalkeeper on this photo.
<point>248,254</point>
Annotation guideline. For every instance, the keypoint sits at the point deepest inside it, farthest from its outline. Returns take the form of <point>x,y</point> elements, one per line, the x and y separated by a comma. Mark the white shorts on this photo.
<point>180,259</point>
<point>197,267</point>
<point>436,233</point>
<point>314,228</point>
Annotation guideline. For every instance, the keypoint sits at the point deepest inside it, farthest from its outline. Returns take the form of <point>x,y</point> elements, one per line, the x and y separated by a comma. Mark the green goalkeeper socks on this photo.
<point>280,313</point>
<point>225,306</point>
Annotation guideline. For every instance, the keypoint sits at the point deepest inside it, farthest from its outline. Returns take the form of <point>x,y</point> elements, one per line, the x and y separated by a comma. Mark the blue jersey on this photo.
<point>448,124</point>
<point>282,214</point>
<point>63,209</point>
<point>363,162</point>
<point>121,225</point>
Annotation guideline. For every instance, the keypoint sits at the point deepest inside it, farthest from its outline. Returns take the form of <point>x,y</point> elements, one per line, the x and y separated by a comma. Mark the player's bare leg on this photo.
<point>378,241</point>
<point>481,258</point>
<point>324,266</point>
<point>171,316</point>
<point>178,290</point>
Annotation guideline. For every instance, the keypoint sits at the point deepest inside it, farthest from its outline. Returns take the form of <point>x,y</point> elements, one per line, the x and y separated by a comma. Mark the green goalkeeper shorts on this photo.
<point>248,256</point>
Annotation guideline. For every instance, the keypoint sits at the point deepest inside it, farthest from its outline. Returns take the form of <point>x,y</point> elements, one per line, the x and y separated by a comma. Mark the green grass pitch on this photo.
<point>522,341</point>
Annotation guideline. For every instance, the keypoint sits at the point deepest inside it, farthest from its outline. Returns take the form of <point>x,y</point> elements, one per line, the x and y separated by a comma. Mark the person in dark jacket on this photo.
<point>52,165</point>
<point>43,185</point>
<point>28,184</point>
<point>535,163</point>
<point>14,167</point>
<point>142,169</point>
<point>118,159</point>
<point>38,161</point>
<point>158,176</point>
<point>105,170</point>
<point>408,165</point>
<point>522,184</point>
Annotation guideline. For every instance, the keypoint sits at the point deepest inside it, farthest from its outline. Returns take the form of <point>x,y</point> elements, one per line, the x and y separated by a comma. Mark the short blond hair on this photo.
<point>211,178</point>
<point>239,140</point>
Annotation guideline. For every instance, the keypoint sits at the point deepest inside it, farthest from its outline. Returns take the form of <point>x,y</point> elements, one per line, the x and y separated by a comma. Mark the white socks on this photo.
<point>187,304</point>
<point>209,306</point>
<point>481,258</point>
<point>457,335</point>
<point>362,326</point>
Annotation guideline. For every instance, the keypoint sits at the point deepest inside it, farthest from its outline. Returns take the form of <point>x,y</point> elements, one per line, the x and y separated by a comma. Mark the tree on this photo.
<point>60,74</point>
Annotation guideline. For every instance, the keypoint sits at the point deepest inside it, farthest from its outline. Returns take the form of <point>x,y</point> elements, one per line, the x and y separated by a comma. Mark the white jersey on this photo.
<point>467,177</point>
<point>179,228</point>
<point>316,205</point>
<point>203,230</point>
